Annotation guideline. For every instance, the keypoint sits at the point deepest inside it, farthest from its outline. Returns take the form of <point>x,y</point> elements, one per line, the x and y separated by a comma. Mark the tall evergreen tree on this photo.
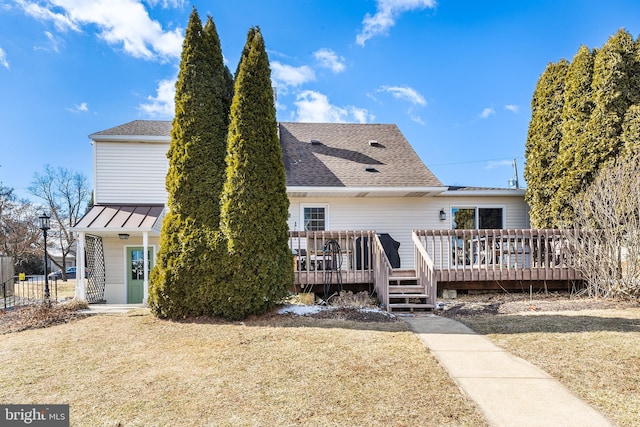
<point>573,150</point>
<point>599,121</point>
<point>631,132</point>
<point>543,143</point>
<point>614,91</point>
<point>254,199</point>
<point>195,177</point>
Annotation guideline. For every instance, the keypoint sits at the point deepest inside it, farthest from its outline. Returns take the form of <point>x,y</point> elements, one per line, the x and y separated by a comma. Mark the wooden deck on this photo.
<point>329,261</point>
<point>498,255</point>
<point>331,258</point>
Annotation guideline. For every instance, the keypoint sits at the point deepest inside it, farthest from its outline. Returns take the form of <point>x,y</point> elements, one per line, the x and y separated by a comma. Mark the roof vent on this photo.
<point>374,143</point>
<point>370,169</point>
<point>315,142</point>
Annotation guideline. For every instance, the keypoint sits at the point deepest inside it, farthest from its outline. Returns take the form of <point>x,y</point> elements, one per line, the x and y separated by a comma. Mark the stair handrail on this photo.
<point>382,269</point>
<point>425,268</point>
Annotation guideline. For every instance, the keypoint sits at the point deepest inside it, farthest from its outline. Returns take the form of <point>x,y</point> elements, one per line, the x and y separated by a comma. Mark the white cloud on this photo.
<point>417,119</point>
<point>387,12</point>
<point>513,108</point>
<point>329,59</point>
<point>82,108</point>
<point>163,104</point>
<point>3,59</point>
<point>315,107</point>
<point>497,164</point>
<point>285,76</point>
<point>53,45</point>
<point>404,93</point>
<point>486,112</point>
<point>122,23</point>
<point>45,13</point>
<point>166,4</point>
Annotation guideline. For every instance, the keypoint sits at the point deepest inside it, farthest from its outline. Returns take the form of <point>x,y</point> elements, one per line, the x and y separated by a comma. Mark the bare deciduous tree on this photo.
<point>604,237</point>
<point>19,234</point>
<point>66,194</point>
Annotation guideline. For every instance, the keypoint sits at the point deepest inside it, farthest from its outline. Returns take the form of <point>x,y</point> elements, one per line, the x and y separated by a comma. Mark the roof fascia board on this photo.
<point>302,189</point>
<point>129,138</point>
<point>483,193</point>
<point>113,230</point>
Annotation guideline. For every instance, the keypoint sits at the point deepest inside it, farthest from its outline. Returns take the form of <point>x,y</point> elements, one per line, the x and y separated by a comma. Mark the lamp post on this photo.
<point>44,226</point>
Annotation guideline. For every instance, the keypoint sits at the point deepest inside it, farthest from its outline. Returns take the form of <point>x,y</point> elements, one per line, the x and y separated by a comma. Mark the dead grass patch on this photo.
<point>136,370</point>
<point>594,353</point>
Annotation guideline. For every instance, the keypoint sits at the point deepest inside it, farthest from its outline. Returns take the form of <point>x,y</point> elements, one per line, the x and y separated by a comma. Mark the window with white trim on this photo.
<point>314,218</point>
<point>475,217</point>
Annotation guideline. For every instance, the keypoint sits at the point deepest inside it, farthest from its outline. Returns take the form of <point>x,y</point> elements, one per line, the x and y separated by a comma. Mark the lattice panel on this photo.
<point>94,252</point>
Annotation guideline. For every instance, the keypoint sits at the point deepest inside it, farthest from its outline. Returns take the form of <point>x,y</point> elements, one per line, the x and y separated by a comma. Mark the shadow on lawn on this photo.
<point>550,323</point>
<point>343,318</point>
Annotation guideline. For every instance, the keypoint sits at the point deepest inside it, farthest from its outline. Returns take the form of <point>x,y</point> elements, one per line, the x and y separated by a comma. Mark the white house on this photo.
<point>339,177</point>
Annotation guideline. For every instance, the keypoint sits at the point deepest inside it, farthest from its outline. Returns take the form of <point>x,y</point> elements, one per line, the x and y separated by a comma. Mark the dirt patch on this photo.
<point>355,314</point>
<point>503,303</point>
<point>39,316</point>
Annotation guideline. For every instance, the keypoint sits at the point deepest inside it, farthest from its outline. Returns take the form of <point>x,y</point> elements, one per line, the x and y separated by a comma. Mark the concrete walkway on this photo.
<point>509,390</point>
<point>111,308</point>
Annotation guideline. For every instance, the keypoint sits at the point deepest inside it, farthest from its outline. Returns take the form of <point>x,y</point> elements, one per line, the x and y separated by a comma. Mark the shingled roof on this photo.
<point>325,155</point>
<point>154,128</point>
<point>351,155</point>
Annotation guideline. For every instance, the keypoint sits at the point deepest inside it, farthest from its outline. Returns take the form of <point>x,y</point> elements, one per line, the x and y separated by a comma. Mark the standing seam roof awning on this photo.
<point>121,218</point>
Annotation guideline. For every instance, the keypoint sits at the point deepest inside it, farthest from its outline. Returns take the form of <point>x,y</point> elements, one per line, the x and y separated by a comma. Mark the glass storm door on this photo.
<point>135,274</point>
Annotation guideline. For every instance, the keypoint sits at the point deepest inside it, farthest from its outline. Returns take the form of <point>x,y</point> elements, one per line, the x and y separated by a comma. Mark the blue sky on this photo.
<point>456,76</point>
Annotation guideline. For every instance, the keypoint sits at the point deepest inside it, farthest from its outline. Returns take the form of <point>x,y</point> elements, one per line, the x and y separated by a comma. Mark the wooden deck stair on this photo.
<point>405,294</point>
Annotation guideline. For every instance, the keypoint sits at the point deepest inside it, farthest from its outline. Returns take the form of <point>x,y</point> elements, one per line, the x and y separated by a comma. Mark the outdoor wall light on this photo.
<point>123,236</point>
<point>443,215</point>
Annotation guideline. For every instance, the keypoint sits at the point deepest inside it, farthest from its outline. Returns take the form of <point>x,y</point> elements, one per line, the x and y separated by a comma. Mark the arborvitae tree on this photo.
<point>614,91</point>
<point>543,143</point>
<point>631,132</point>
<point>254,199</point>
<point>195,177</point>
<point>576,113</point>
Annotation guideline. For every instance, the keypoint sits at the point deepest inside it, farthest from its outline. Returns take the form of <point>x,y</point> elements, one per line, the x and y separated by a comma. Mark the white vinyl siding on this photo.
<point>395,216</point>
<point>114,257</point>
<point>130,172</point>
<point>399,216</point>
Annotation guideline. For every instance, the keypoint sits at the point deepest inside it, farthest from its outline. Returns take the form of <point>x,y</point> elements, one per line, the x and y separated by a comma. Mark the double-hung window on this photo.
<point>314,218</point>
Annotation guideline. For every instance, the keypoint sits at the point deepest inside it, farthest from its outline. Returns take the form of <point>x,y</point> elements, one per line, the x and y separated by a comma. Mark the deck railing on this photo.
<point>523,254</point>
<point>382,270</point>
<point>425,269</point>
<point>331,256</point>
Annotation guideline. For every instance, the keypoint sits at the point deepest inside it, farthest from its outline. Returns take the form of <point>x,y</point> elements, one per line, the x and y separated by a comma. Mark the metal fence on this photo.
<point>20,291</point>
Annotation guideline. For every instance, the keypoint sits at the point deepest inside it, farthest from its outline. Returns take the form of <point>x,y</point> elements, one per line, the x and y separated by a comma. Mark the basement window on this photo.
<point>370,169</point>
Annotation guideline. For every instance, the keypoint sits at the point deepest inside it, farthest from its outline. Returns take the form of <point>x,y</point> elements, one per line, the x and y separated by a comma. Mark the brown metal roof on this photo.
<point>118,218</point>
<point>351,155</point>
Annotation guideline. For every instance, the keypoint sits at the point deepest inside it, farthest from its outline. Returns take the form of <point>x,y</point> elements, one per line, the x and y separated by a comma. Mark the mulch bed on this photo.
<point>41,316</point>
<point>38,316</point>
